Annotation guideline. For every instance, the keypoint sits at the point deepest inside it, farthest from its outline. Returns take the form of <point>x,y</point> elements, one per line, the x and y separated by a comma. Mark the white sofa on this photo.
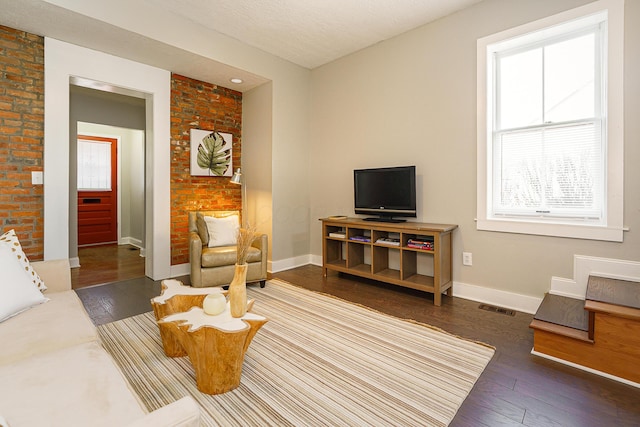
<point>55,372</point>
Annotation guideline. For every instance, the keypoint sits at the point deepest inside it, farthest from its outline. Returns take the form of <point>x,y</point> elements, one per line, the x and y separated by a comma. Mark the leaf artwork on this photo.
<point>211,155</point>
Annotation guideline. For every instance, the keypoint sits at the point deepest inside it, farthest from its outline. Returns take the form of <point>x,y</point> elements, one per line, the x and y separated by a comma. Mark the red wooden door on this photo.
<point>97,190</point>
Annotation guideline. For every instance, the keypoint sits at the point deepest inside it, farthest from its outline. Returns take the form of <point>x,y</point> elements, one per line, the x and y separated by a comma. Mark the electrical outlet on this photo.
<point>467,258</point>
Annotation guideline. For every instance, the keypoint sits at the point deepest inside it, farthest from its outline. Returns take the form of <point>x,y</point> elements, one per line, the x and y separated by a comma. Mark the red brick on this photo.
<point>9,130</point>
<point>21,94</point>
<point>9,115</point>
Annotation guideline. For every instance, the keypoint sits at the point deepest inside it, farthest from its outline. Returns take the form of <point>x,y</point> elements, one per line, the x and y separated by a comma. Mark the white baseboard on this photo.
<point>289,263</point>
<point>519,302</point>
<point>316,260</point>
<point>584,368</point>
<point>74,262</point>
<point>130,241</point>
<point>567,288</point>
<point>583,266</point>
<point>180,270</point>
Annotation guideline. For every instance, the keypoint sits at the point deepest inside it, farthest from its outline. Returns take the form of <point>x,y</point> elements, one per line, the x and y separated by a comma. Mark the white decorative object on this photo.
<point>17,290</point>
<point>11,240</point>
<point>214,304</point>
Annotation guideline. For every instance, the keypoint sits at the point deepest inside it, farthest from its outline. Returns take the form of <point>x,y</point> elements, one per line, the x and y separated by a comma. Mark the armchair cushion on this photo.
<point>203,232</point>
<point>226,255</point>
<point>222,231</point>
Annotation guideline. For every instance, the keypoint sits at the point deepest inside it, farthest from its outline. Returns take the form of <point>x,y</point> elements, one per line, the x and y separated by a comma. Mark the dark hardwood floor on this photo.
<point>107,263</point>
<point>515,389</point>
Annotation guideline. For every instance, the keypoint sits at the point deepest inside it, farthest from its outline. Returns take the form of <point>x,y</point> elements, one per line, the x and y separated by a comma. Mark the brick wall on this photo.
<point>199,105</point>
<point>21,137</point>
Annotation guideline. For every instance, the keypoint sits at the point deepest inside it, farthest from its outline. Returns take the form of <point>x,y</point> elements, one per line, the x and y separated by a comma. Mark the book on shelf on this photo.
<point>360,238</point>
<point>338,234</point>
<point>420,244</point>
<point>388,241</point>
<point>421,241</point>
<point>423,247</point>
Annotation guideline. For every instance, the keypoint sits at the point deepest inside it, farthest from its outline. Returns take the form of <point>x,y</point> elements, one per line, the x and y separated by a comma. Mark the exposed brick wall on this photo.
<point>21,137</point>
<point>199,105</point>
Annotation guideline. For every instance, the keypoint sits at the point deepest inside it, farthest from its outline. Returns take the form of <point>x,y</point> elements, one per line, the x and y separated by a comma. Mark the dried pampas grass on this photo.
<point>246,237</point>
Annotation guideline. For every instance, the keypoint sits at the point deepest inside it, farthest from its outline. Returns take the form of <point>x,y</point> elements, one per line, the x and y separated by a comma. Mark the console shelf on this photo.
<point>382,251</point>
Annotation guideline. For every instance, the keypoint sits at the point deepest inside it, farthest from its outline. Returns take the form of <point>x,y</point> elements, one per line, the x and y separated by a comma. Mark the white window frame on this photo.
<point>610,228</point>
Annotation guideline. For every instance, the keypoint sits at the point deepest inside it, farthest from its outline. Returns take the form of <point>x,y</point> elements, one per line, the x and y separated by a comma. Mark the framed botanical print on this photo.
<point>211,153</point>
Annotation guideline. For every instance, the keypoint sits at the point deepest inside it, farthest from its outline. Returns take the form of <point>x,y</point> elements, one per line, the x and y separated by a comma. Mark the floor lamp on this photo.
<point>237,179</point>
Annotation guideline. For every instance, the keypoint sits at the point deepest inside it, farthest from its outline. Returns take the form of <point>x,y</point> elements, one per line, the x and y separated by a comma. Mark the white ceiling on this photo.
<point>311,33</point>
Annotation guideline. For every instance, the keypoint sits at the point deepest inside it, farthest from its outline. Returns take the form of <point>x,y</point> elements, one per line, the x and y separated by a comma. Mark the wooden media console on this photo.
<point>410,254</point>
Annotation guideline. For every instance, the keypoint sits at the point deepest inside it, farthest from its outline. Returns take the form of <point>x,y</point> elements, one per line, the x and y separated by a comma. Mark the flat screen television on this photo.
<point>387,193</point>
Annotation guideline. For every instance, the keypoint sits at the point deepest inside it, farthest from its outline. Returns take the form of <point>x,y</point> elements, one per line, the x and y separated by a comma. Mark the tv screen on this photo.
<point>385,192</point>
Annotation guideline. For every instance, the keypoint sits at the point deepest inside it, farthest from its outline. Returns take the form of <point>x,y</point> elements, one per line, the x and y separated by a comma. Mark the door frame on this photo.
<point>64,62</point>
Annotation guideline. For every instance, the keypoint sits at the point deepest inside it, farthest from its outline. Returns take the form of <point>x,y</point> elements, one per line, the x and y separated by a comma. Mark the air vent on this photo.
<point>495,309</point>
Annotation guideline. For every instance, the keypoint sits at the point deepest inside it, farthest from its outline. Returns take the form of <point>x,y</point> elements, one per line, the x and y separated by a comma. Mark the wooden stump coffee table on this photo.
<point>215,344</point>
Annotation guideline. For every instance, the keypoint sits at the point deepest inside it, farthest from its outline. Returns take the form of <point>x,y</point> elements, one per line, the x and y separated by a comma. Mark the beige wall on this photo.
<point>257,147</point>
<point>412,100</point>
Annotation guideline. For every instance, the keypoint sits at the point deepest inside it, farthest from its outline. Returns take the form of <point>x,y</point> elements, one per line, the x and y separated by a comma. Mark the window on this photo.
<point>547,134</point>
<point>94,165</point>
<point>545,148</point>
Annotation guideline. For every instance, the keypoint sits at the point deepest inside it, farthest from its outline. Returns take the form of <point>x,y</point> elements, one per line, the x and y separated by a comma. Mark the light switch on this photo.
<point>37,177</point>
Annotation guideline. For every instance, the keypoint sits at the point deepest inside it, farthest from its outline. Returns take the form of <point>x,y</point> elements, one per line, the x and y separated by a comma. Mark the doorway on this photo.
<point>107,173</point>
<point>64,63</point>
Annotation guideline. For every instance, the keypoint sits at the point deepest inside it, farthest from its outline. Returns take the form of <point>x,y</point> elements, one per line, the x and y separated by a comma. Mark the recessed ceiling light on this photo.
<point>236,80</point>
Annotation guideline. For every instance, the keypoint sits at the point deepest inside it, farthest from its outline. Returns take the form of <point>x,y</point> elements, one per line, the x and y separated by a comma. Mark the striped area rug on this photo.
<point>319,361</point>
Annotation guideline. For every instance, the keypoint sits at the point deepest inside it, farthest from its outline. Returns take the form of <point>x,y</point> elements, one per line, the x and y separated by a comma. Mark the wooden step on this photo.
<point>613,296</point>
<point>562,316</point>
<point>610,320</point>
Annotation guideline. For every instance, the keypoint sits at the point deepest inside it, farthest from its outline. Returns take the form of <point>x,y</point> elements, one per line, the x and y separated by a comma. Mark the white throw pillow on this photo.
<point>17,291</point>
<point>222,231</point>
<point>11,240</point>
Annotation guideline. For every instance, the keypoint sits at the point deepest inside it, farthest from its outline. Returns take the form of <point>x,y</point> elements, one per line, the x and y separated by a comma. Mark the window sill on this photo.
<point>573,231</point>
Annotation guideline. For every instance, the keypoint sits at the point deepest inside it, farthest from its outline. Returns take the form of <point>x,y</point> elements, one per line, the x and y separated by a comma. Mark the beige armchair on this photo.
<point>215,266</point>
